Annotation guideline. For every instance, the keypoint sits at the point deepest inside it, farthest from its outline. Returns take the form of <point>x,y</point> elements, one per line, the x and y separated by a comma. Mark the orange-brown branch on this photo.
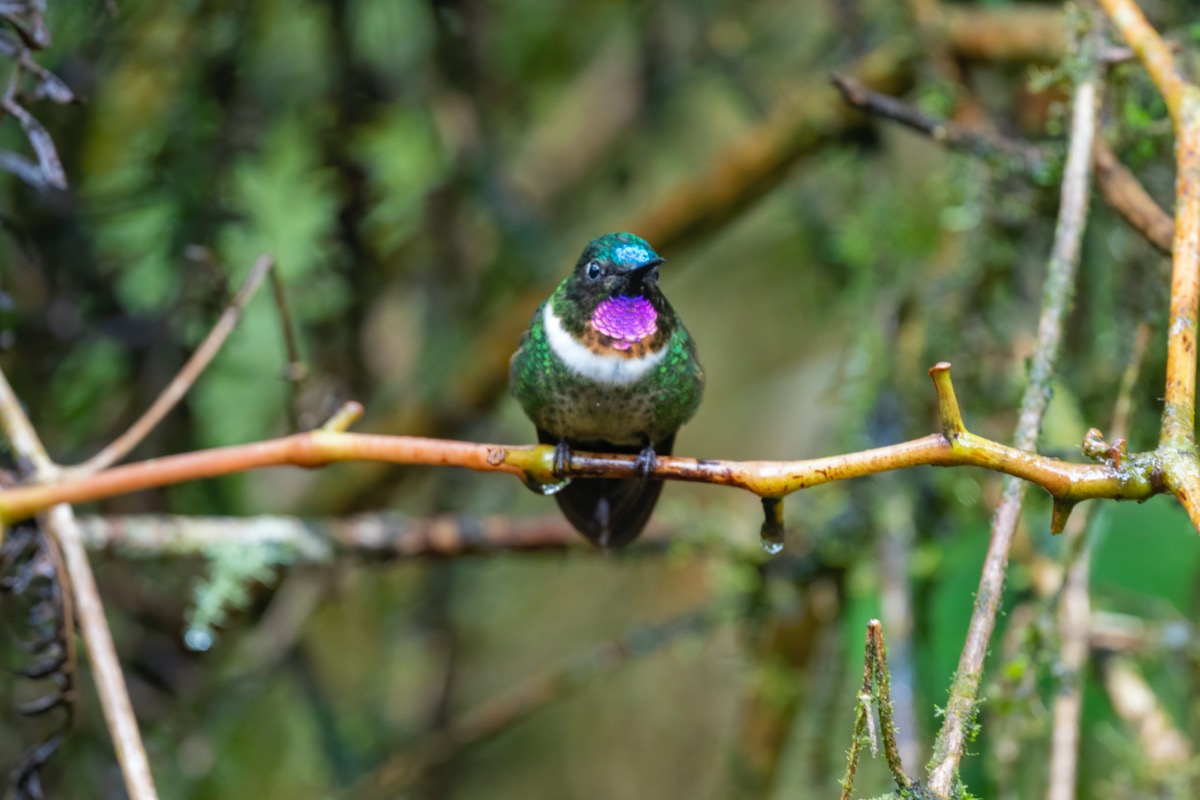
<point>1013,32</point>
<point>1125,194</point>
<point>1130,479</point>
<point>1152,51</point>
<point>1177,441</point>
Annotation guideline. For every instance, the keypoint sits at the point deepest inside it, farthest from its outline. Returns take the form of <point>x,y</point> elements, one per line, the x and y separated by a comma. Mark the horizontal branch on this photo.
<point>1117,476</point>
<point>319,540</point>
<point>1020,31</point>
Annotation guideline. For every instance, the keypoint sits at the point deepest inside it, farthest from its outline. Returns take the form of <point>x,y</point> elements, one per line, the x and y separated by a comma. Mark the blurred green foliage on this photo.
<point>423,172</point>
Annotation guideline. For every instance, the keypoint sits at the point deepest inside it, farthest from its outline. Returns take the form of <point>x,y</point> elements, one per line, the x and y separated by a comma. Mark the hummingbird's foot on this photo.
<point>562,459</point>
<point>646,463</point>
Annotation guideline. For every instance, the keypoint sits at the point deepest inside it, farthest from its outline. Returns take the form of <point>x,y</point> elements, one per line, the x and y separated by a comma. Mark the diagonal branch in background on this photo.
<point>1058,292</point>
<point>59,522</point>
<point>1131,477</point>
<point>956,136</point>
<point>182,382</point>
<point>1125,195</point>
<point>1119,187</point>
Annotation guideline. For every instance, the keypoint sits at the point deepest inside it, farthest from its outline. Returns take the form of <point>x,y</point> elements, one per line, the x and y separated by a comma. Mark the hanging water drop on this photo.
<point>771,545</point>
<point>772,527</point>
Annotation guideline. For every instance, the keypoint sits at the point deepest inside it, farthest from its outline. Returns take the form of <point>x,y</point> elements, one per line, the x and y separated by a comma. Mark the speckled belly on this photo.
<point>620,415</point>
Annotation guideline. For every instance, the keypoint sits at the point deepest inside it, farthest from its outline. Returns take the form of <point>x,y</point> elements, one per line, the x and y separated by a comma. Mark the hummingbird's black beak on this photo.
<point>638,274</point>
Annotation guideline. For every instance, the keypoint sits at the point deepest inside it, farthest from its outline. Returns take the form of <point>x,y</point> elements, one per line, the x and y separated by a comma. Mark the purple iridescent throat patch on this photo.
<point>626,319</point>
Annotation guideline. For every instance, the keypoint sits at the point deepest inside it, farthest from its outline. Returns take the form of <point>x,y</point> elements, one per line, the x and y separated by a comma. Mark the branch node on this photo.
<point>537,465</point>
<point>951,417</point>
<point>1097,449</point>
<point>1094,445</point>
<point>1058,516</point>
<point>350,413</point>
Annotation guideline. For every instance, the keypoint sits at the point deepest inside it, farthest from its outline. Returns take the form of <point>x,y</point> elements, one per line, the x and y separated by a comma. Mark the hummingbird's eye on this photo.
<point>593,270</point>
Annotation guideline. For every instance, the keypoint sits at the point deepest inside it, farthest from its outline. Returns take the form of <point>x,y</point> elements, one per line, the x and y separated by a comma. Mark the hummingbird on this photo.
<point>607,366</point>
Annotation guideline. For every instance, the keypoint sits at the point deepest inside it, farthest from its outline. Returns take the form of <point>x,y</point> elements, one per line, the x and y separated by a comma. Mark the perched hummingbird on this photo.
<point>607,366</point>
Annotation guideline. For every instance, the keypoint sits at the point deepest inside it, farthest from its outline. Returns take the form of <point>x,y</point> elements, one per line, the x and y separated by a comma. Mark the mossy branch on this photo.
<point>875,692</point>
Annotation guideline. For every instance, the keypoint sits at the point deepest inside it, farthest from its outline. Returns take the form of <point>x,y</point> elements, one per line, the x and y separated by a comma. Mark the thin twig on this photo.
<point>960,709</point>
<point>1153,52</point>
<point>875,690</point>
<point>883,682</point>
<point>955,136</point>
<point>296,370</point>
<point>894,517</point>
<point>59,522</point>
<point>182,382</point>
<point>862,714</point>
<point>1074,609</point>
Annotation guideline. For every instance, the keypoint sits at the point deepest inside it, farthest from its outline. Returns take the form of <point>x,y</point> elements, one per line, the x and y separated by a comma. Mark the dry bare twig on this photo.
<point>182,382</point>
<point>296,370</point>
<point>1059,288</point>
<point>1074,607</point>
<point>59,522</point>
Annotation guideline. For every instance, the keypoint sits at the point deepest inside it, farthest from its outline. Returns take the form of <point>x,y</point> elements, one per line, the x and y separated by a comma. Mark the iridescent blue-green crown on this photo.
<point>622,249</point>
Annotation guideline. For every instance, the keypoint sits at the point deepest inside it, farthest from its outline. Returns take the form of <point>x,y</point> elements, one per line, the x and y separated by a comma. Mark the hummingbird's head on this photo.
<point>613,292</point>
<point>615,264</point>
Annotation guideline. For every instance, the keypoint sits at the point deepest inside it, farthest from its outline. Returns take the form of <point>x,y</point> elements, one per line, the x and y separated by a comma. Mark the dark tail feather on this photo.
<point>610,512</point>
